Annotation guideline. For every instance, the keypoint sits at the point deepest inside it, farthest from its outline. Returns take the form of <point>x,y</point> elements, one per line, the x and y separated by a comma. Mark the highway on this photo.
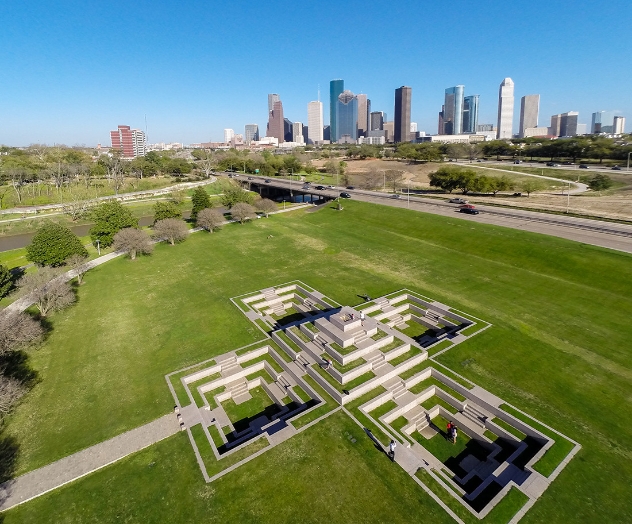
<point>595,232</point>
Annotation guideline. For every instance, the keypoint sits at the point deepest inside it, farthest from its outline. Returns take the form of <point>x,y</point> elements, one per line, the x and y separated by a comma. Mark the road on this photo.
<point>595,232</point>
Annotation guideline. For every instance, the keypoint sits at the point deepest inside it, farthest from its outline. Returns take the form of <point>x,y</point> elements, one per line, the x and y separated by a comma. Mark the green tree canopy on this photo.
<point>234,194</point>
<point>53,244</point>
<point>6,281</point>
<point>200,200</point>
<point>164,210</point>
<point>600,182</point>
<point>110,218</point>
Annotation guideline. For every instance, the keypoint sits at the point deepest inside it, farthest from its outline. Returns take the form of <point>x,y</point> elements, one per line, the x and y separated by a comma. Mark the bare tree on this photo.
<point>171,229</point>
<point>242,212</point>
<point>49,290</point>
<point>78,263</point>
<point>18,178</point>
<point>210,219</point>
<point>10,392</point>
<point>133,241</point>
<point>207,165</point>
<point>266,206</point>
<point>17,330</point>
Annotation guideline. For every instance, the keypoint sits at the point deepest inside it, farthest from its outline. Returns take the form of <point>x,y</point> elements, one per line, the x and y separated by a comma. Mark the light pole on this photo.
<point>629,160</point>
<point>568,197</point>
<point>99,246</point>
<point>384,173</point>
<point>409,193</point>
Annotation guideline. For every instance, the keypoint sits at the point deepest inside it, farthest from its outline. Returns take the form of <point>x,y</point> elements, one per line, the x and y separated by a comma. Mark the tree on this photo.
<point>49,290</point>
<point>242,212</point>
<point>6,281</point>
<point>18,330</point>
<point>234,195</point>
<point>78,264</point>
<point>53,244</point>
<point>171,229</point>
<point>110,218</point>
<point>502,183</point>
<point>133,241</point>
<point>200,200</point>
<point>266,206</point>
<point>530,185</point>
<point>600,182</point>
<point>445,178</point>
<point>10,392</point>
<point>163,210</point>
<point>209,219</point>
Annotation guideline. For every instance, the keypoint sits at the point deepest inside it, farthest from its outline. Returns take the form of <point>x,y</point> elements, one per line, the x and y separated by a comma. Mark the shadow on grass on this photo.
<point>376,442</point>
<point>294,317</point>
<point>16,365</point>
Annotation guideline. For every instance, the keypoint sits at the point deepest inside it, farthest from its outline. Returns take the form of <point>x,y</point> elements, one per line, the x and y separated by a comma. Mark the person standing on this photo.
<point>362,317</point>
<point>454,432</point>
<point>391,450</point>
<point>449,430</point>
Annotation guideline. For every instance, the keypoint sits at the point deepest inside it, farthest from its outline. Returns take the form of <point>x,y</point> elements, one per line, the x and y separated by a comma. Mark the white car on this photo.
<point>457,201</point>
<point>331,187</point>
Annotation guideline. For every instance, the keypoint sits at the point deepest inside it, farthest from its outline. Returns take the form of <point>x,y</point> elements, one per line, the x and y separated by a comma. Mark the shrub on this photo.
<point>200,200</point>
<point>6,281</point>
<point>110,218</point>
<point>53,244</point>
<point>164,210</point>
<point>171,229</point>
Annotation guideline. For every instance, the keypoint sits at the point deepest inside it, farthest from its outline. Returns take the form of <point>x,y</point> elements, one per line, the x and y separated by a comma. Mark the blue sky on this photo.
<point>72,70</point>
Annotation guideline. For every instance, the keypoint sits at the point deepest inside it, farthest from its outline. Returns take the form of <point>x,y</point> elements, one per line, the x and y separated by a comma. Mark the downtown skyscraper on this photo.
<point>529,109</point>
<point>470,114</point>
<point>505,109</point>
<point>401,131</point>
<point>275,119</point>
<point>315,122</point>
<point>453,110</point>
<point>336,87</point>
<point>346,118</point>
<point>364,115</point>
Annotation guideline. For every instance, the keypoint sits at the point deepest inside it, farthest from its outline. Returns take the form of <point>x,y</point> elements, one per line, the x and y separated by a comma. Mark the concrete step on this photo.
<point>474,418</point>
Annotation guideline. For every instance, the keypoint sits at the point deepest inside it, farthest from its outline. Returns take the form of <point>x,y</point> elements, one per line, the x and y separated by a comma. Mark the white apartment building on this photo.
<point>229,134</point>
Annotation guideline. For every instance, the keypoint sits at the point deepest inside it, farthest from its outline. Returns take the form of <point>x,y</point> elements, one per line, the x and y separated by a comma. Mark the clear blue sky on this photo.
<point>72,70</point>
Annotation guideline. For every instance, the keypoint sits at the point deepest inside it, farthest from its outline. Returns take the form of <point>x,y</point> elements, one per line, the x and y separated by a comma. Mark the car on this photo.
<point>467,206</point>
<point>616,168</point>
<point>517,194</point>
<point>306,186</point>
<point>250,178</point>
<point>568,164</point>
<point>479,160</point>
<point>351,187</point>
<point>267,180</point>
<point>331,187</point>
<point>457,201</point>
<point>319,188</point>
<point>396,196</point>
<point>235,175</point>
<point>469,210</point>
<point>345,195</point>
<point>517,162</point>
<point>552,164</point>
<point>583,166</point>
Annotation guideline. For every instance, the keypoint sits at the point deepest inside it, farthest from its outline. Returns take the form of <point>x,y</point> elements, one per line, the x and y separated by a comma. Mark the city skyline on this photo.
<point>63,67</point>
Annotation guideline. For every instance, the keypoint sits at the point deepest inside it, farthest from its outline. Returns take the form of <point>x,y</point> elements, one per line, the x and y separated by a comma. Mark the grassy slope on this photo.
<point>558,348</point>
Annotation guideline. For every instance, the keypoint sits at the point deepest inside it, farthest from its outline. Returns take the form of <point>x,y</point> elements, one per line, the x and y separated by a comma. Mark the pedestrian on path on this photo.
<point>454,434</point>
<point>449,431</point>
<point>362,317</point>
<point>391,450</point>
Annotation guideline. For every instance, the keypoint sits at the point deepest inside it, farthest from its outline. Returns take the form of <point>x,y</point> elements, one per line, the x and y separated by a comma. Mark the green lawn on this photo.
<point>558,349</point>
<point>241,414</point>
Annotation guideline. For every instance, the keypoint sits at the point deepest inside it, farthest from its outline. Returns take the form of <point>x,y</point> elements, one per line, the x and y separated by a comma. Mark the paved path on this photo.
<point>73,467</point>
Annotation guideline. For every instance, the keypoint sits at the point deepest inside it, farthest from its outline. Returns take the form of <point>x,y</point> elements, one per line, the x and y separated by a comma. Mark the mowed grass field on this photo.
<point>559,349</point>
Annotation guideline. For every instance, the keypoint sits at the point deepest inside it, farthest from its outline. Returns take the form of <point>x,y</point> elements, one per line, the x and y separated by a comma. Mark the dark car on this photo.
<point>552,164</point>
<point>345,195</point>
<point>616,168</point>
<point>320,188</point>
<point>267,180</point>
<point>250,178</point>
<point>396,196</point>
<point>517,161</point>
<point>568,164</point>
<point>469,210</point>
<point>583,166</point>
<point>351,187</point>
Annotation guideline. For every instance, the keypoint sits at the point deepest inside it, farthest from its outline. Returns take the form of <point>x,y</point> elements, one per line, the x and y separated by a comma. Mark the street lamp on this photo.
<point>568,197</point>
<point>409,193</point>
<point>99,246</point>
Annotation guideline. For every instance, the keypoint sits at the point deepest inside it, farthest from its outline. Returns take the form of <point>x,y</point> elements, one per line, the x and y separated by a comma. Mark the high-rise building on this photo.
<point>453,110</point>
<point>602,122</point>
<point>485,128</point>
<point>276,121</point>
<point>568,123</point>
<point>364,114</point>
<point>401,124</point>
<point>272,98</point>
<point>315,122</point>
<point>470,114</point>
<point>131,142</point>
<point>441,124</point>
<point>327,133</point>
<point>389,129</point>
<point>297,132</point>
<point>529,108</point>
<point>555,128</point>
<point>346,117</point>
<point>229,134</point>
<point>505,109</point>
<point>618,125</point>
<point>377,121</point>
<point>413,127</point>
<point>336,87</point>
<point>251,133</point>
<point>306,134</point>
<point>288,133</point>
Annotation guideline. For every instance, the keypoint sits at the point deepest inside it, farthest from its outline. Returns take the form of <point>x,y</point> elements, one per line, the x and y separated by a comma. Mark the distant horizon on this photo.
<point>71,76</point>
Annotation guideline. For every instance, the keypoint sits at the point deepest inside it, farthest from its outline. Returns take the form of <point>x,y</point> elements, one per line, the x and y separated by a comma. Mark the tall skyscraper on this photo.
<point>618,125</point>
<point>529,108</point>
<point>131,142</point>
<point>276,121</point>
<point>602,122</point>
<point>297,132</point>
<point>364,114</point>
<point>556,125</point>
<point>251,133</point>
<point>505,109</point>
<point>272,98</point>
<point>401,124</point>
<point>288,133</point>
<point>377,121</point>
<point>453,110</point>
<point>470,114</point>
<point>441,124</point>
<point>336,87</point>
<point>314,122</point>
<point>229,134</point>
<point>346,117</point>
<point>568,123</point>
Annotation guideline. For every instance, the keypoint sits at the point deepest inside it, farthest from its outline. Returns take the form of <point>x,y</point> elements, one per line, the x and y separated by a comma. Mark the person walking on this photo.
<point>454,434</point>
<point>449,430</point>
<point>362,317</point>
<point>391,450</point>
